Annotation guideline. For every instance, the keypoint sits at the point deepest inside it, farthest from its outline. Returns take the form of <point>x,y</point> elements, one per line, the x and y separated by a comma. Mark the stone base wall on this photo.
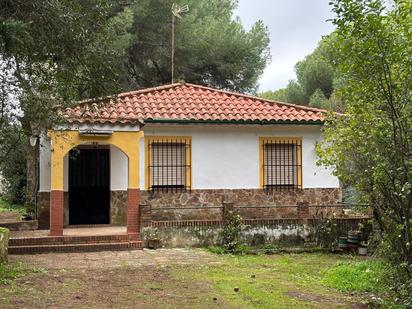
<point>249,203</point>
<point>43,210</point>
<point>118,207</point>
<point>25,225</point>
<point>207,205</point>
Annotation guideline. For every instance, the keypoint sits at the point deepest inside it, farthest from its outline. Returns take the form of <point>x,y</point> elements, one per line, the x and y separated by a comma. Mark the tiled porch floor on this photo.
<point>77,231</point>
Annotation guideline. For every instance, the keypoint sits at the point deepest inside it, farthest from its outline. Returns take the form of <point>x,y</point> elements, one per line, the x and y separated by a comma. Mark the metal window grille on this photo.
<point>169,165</point>
<point>282,169</point>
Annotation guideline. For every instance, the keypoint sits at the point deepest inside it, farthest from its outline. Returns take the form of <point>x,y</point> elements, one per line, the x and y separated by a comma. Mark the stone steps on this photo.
<point>44,240</point>
<point>41,244</point>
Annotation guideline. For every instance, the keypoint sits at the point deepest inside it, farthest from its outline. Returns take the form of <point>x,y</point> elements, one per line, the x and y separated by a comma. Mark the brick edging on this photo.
<point>280,221</point>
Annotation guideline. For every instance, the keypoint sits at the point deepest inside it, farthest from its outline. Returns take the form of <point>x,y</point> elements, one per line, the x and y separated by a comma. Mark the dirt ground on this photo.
<point>114,259</point>
<point>174,278</point>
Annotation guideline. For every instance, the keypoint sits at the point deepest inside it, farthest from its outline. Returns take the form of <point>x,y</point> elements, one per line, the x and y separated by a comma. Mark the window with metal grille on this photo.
<point>168,163</point>
<point>281,163</point>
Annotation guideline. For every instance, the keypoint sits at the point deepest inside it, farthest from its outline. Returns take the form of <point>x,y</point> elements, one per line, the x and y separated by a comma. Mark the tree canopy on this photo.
<point>211,46</point>
<point>371,145</point>
<point>53,53</point>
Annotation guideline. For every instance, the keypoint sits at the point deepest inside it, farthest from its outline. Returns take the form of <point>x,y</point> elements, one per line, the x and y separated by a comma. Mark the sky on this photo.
<point>295,28</point>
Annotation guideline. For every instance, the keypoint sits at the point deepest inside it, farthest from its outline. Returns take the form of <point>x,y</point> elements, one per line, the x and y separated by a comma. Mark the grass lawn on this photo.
<point>276,281</point>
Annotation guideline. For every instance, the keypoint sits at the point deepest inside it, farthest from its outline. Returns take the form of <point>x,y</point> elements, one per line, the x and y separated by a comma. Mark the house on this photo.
<point>176,155</point>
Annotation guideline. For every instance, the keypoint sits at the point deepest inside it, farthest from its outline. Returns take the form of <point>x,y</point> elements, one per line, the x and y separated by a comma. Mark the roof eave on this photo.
<point>258,122</point>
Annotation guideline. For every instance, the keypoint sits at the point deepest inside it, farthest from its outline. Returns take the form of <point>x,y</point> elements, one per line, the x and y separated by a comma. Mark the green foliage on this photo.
<point>216,250</point>
<point>317,70</point>
<point>52,53</point>
<point>9,272</point>
<point>12,271</point>
<point>295,93</point>
<point>318,99</point>
<point>7,206</point>
<point>13,165</point>
<point>211,47</point>
<point>276,95</point>
<point>4,240</point>
<point>230,235</point>
<point>275,281</point>
<point>371,146</point>
<point>372,275</point>
<point>364,276</point>
<point>326,232</point>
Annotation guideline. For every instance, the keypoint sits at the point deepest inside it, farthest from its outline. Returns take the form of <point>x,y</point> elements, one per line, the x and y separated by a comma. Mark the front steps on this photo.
<point>43,244</point>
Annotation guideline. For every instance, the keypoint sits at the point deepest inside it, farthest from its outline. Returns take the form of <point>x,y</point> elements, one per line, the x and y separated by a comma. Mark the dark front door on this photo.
<point>89,186</point>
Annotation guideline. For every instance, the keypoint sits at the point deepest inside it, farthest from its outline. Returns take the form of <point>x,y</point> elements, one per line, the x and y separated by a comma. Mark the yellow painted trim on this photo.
<point>148,159</point>
<point>63,141</point>
<point>262,140</point>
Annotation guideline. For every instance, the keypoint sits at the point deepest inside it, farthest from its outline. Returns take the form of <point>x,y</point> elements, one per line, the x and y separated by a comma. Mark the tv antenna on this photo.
<point>176,11</point>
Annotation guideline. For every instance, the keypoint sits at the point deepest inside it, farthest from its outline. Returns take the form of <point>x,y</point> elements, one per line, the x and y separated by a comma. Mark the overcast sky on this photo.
<point>295,28</point>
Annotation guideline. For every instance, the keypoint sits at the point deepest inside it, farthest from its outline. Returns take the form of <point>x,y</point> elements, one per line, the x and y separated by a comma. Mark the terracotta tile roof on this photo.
<point>190,103</point>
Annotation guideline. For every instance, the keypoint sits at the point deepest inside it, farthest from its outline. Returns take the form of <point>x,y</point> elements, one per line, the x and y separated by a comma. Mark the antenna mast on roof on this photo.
<point>176,11</point>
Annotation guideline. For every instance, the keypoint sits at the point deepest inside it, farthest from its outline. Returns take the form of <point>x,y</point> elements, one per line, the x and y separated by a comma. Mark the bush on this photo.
<point>230,235</point>
<point>4,240</point>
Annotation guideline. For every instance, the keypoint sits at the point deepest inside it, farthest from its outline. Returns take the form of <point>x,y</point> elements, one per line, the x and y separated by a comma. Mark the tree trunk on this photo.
<point>31,178</point>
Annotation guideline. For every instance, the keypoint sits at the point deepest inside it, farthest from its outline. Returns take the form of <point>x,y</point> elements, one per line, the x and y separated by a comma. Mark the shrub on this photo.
<point>230,235</point>
<point>4,240</point>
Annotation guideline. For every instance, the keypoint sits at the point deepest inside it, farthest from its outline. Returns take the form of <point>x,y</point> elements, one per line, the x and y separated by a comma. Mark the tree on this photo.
<point>276,95</point>
<point>51,54</point>
<point>317,71</point>
<point>371,145</point>
<point>316,77</point>
<point>212,47</point>
<point>319,100</point>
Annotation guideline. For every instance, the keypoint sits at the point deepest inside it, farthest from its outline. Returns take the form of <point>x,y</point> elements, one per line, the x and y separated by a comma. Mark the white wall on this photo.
<point>45,168</point>
<point>227,157</point>
<point>119,174</point>
<point>223,157</point>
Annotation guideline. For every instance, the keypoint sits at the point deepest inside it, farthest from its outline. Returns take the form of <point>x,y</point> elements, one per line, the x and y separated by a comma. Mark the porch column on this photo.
<point>133,192</point>
<point>56,213</point>
<point>56,195</point>
<point>133,213</point>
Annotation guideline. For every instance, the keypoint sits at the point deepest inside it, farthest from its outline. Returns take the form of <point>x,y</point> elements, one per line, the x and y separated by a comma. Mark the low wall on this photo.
<point>118,209</point>
<point>25,225</point>
<point>4,241</point>
<point>255,232</point>
<point>195,218</point>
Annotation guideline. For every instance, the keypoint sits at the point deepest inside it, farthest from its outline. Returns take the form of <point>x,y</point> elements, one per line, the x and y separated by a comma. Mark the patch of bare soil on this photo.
<point>113,288</point>
<point>328,302</point>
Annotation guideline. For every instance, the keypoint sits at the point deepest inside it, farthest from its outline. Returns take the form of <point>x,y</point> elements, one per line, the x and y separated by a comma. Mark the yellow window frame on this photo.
<point>173,139</point>
<point>269,139</point>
